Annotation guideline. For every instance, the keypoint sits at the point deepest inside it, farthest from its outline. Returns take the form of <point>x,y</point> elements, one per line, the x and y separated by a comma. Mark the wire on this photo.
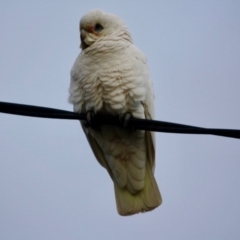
<point>134,123</point>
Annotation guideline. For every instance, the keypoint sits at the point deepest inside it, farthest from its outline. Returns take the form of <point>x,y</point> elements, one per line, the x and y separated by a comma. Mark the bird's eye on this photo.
<point>98,27</point>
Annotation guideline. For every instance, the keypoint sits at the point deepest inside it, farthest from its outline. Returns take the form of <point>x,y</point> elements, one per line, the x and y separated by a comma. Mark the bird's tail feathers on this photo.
<point>145,200</point>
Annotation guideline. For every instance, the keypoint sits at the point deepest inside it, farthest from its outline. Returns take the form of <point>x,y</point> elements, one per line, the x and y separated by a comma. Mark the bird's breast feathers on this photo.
<point>115,79</point>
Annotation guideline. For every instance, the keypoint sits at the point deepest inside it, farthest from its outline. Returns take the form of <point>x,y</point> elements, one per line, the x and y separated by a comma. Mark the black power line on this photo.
<point>136,123</point>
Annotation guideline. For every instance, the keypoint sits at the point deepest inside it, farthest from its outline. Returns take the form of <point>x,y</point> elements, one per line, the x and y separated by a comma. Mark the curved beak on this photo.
<point>82,35</point>
<point>82,38</point>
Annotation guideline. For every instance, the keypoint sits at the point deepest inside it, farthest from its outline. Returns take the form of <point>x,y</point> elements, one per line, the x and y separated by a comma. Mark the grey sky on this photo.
<point>51,186</point>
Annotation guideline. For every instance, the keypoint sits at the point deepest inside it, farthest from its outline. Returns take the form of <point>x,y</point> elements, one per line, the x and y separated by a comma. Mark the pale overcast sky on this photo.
<point>52,187</point>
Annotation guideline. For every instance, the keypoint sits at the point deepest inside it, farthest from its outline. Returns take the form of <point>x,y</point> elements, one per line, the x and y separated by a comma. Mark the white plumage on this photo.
<point>110,75</point>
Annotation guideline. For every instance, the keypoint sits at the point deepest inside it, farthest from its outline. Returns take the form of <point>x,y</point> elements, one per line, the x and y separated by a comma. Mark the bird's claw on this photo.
<point>91,120</point>
<point>124,120</point>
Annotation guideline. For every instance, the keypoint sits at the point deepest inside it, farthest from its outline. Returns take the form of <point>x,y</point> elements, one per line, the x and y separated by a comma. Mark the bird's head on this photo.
<point>97,24</point>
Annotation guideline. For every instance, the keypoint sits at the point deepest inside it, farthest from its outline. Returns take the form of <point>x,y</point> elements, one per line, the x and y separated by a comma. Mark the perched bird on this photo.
<point>110,75</point>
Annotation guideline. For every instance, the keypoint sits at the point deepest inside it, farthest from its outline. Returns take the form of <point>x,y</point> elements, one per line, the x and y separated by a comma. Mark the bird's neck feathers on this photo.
<point>125,35</point>
<point>121,33</point>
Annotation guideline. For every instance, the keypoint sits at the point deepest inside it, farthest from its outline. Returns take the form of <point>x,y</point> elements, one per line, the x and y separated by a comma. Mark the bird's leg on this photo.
<point>91,120</point>
<point>124,121</point>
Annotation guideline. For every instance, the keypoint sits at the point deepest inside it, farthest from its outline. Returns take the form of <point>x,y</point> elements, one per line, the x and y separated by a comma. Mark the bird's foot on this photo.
<point>124,121</point>
<point>91,120</point>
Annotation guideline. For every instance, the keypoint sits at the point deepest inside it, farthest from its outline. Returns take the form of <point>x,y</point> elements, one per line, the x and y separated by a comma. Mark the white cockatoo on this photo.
<point>111,76</point>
